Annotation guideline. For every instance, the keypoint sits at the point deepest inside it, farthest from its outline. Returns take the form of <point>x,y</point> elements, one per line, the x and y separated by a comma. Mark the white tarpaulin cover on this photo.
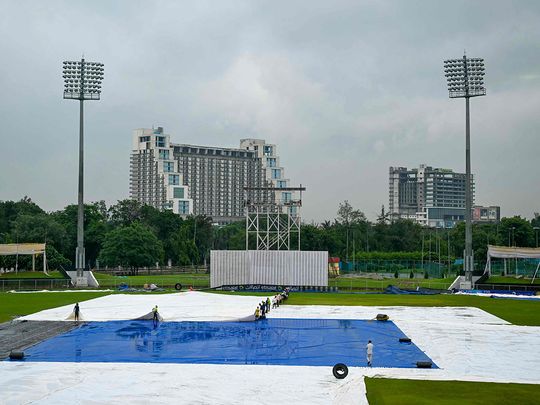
<point>268,267</point>
<point>467,344</point>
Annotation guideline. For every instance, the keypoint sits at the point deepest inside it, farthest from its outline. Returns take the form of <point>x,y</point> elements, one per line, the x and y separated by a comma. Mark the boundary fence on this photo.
<point>200,280</point>
<point>153,271</point>
<point>34,284</point>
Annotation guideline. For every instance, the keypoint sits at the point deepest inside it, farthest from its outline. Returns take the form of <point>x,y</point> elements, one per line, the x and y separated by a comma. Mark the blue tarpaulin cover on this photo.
<point>297,342</point>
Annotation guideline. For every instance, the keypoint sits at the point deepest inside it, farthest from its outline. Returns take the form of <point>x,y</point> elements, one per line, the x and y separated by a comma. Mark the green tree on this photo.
<point>131,246</point>
<point>348,215</point>
<point>95,228</point>
<point>404,236</point>
<point>230,237</point>
<point>164,224</point>
<point>516,231</point>
<point>203,235</point>
<point>39,228</point>
<point>125,212</point>
<point>55,260</point>
<point>184,247</point>
<point>10,210</point>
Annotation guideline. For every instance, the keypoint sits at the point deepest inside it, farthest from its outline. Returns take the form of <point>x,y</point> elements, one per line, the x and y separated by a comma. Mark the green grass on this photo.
<point>513,311</point>
<point>381,391</point>
<point>196,280</point>
<point>359,283</point>
<point>31,274</point>
<point>510,280</point>
<point>525,312</point>
<point>203,280</point>
<point>23,304</point>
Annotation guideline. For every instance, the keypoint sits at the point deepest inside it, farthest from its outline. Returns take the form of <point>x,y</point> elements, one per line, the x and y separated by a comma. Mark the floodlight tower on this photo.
<point>82,81</point>
<point>465,78</point>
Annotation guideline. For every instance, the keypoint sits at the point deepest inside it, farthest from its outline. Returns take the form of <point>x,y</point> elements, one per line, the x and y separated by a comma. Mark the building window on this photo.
<point>164,154</point>
<point>144,139</point>
<point>168,167</point>
<point>178,192</point>
<point>174,179</point>
<point>281,183</point>
<point>285,197</point>
<point>267,150</point>
<point>183,207</point>
<point>271,162</point>
<point>276,173</point>
<point>160,141</point>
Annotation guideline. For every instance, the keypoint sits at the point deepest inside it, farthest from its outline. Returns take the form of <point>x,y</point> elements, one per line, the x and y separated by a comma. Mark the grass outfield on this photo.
<point>518,312</point>
<point>27,303</point>
<point>186,279</point>
<point>359,283</point>
<point>203,280</point>
<point>381,391</point>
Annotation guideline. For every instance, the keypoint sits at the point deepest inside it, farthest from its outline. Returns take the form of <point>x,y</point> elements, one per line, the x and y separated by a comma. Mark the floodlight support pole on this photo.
<point>468,262</point>
<point>76,74</point>
<point>80,254</point>
<point>80,259</point>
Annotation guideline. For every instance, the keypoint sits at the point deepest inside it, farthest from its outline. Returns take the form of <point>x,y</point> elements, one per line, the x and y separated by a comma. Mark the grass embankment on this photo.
<point>381,391</point>
<point>510,280</point>
<point>197,280</point>
<point>13,305</point>
<point>32,275</point>
<point>518,312</point>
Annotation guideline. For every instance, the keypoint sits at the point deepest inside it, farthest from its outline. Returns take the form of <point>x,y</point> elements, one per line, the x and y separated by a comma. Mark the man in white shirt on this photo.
<point>369,352</point>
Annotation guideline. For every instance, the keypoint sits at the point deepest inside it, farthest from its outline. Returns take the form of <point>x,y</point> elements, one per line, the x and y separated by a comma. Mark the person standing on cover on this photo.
<point>76,310</point>
<point>369,353</point>
<point>155,317</point>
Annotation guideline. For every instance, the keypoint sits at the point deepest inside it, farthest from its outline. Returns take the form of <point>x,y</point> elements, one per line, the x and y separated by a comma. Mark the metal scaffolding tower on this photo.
<point>274,223</point>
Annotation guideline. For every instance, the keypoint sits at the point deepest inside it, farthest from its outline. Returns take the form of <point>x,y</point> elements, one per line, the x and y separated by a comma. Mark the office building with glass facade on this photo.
<point>433,197</point>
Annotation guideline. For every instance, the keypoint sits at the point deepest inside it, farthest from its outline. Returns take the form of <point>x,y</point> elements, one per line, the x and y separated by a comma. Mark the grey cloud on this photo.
<point>345,88</point>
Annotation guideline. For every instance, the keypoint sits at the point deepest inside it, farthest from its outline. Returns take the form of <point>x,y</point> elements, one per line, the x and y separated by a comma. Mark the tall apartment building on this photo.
<point>213,178</point>
<point>154,177</point>
<point>431,196</point>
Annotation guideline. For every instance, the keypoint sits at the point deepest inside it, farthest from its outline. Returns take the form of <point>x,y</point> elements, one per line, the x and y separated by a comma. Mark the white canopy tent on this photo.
<point>34,249</point>
<point>506,252</point>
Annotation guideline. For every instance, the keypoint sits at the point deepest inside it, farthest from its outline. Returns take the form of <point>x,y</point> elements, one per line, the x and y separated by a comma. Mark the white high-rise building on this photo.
<point>204,180</point>
<point>155,178</point>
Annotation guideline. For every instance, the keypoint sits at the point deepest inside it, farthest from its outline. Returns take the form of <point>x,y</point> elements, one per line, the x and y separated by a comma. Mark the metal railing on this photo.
<point>34,284</point>
<point>507,287</point>
<point>153,271</point>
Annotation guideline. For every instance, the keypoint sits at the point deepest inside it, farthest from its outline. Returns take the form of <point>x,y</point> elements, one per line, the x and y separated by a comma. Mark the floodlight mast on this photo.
<point>465,79</point>
<point>82,81</point>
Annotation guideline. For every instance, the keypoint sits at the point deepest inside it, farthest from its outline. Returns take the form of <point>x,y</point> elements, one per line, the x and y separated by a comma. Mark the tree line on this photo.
<point>134,235</point>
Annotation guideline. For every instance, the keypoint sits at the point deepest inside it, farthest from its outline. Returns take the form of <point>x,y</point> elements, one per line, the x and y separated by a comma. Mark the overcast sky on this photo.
<point>344,88</point>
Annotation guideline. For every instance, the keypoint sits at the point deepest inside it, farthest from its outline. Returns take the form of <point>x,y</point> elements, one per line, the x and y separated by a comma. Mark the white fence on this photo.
<point>268,267</point>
